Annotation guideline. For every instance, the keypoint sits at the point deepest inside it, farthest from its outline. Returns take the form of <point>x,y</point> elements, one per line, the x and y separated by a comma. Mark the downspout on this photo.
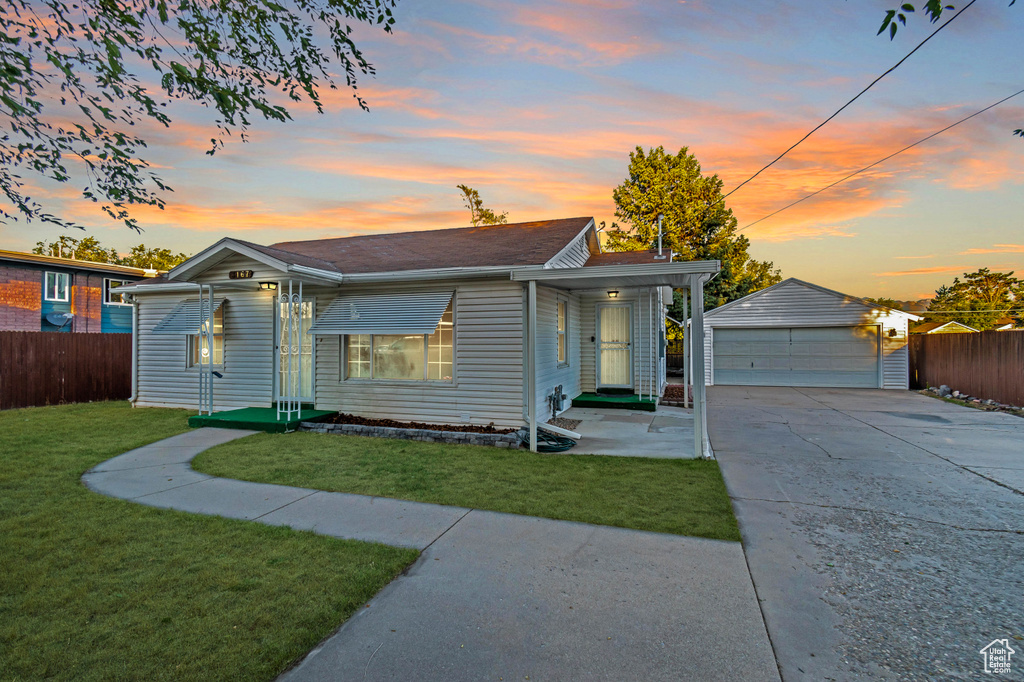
<point>135,350</point>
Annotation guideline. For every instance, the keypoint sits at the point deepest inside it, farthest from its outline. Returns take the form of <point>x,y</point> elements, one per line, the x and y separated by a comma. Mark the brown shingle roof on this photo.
<point>291,257</point>
<point>626,258</point>
<point>533,243</point>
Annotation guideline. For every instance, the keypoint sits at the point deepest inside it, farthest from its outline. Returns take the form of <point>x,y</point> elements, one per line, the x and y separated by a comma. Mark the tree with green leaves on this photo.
<point>932,9</point>
<point>477,213</point>
<point>887,302</point>
<point>152,259</point>
<point>979,299</point>
<point>77,80</point>
<point>696,224</point>
<point>90,249</point>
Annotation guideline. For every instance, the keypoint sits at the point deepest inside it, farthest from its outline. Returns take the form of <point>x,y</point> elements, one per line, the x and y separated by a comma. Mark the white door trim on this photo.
<point>597,364</point>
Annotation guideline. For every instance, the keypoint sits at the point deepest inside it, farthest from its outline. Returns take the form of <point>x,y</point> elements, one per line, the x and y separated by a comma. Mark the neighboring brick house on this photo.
<point>33,287</point>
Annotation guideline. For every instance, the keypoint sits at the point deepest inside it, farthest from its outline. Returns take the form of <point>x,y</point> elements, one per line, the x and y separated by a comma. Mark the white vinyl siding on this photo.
<point>575,255</point>
<point>248,370</point>
<point>550,372</point>
<point>793,304</point>
<point>488,373</point>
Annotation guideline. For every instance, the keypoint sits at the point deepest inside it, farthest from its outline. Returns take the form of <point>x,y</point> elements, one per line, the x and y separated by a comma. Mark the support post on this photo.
<point>700,439</point>
<point>531,353</point>
<point>686,348</point>
<point>291,340</point>
<point>209,364</point>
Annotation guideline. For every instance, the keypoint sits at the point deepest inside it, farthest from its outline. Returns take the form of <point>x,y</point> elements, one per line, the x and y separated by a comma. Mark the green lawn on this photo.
<point>93,588</point>
<point>686,497</point>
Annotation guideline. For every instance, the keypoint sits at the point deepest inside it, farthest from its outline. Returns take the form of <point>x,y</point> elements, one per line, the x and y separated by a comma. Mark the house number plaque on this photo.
<point>240,274</point>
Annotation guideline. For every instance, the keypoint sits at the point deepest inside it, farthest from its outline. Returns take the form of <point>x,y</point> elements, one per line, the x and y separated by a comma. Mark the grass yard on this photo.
<point>686,497</point>
<point>93,588</point>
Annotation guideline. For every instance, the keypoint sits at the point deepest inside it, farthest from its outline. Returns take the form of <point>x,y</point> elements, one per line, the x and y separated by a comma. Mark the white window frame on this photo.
<point>56,297</point>
<point>107,293</point>
<point>194,340</point>
<point>563,333</point>
<point>402,382</point>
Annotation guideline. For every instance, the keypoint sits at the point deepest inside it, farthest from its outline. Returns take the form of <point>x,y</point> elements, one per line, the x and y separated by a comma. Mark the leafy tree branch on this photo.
<point>78,80</point>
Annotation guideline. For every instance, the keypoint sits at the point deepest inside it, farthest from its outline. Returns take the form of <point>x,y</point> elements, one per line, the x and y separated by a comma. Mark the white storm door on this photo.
<point>294,348</point>
<point>615,346</point>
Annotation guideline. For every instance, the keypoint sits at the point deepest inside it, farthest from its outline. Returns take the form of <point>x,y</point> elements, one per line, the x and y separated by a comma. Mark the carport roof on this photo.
<point>675,275</point>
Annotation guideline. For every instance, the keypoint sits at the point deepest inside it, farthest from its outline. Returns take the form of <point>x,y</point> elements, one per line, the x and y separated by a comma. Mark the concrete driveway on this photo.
<point>884,530</point>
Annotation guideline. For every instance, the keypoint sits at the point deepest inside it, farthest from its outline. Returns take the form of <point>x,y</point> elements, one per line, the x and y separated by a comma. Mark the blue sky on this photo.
<point>537,105</point>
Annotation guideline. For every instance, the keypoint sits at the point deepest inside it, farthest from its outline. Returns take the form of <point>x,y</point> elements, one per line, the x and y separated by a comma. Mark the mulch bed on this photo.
<point>342,418</point>
<point>674,393</point>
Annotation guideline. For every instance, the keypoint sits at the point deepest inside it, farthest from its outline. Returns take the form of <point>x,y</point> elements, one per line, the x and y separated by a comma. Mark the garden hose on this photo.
<point>549,442</point>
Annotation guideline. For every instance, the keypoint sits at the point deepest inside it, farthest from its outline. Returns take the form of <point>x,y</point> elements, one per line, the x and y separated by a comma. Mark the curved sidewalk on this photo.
<point>492,595</point>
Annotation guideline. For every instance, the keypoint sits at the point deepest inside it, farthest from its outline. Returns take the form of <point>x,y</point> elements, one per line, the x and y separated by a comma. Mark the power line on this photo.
<point>865,168</point>
<point>838,111</point>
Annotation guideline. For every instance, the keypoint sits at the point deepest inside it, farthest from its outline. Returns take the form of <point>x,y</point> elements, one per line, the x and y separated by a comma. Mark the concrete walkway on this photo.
<point>664,434</point>
<point>493,596</point>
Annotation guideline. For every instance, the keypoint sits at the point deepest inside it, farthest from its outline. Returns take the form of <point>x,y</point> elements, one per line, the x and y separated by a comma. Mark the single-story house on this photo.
<point>474,325</point>
<point>800,334</point>
<point>951,327</point>
<point>44,293</point>
<point>1005,324</point>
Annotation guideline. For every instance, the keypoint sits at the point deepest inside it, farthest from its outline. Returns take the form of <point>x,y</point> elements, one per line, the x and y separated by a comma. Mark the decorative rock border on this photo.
<point>498,440</point>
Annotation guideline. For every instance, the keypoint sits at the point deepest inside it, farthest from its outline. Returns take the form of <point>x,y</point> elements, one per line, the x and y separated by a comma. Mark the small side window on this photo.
<point>562,329</point>
<point>56,286</point>
<point>110,295</point>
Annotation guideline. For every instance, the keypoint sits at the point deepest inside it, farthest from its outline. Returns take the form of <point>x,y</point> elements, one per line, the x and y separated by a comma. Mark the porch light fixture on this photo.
<point>268,286</point>
<point>614,293</point>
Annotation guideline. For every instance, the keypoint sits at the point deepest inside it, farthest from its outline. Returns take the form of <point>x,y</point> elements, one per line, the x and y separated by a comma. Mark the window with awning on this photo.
<point>408,337</point>
<point>188,317</point>
<point>412,313</point>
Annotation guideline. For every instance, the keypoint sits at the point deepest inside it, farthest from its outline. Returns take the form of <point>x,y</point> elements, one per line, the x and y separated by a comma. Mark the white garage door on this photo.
<point>798,356</point>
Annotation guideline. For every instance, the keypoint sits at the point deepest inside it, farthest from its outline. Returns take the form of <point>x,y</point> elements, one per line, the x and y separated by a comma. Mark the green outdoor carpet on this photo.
<point>615,402</point>
<point>256,419</point>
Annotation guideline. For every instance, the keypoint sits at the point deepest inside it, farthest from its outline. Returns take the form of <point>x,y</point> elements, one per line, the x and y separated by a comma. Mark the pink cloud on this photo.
<point>996,248</point>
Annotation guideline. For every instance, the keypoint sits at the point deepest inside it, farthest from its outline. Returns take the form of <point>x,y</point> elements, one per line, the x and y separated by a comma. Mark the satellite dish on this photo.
<point>59,320</point>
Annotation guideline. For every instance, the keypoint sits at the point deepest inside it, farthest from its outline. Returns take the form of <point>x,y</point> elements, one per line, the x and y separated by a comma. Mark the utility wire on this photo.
<point>870,85</point>
<point>865,168</point>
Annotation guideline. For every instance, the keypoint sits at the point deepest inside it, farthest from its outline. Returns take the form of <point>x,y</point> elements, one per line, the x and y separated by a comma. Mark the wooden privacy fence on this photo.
<point>989,365</point>
<point>50,368</point>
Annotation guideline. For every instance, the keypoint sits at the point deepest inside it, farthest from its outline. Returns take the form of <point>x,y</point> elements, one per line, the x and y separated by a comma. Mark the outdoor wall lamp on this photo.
<point>613,293</point>
<point>268,286</point>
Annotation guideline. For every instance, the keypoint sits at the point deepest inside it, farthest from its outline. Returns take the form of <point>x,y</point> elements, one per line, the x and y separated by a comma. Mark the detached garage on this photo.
<point>800,334</point>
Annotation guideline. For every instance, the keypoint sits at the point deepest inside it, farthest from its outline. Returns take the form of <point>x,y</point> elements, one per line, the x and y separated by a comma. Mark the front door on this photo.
<point>615,346</point>
<point>294,348</point>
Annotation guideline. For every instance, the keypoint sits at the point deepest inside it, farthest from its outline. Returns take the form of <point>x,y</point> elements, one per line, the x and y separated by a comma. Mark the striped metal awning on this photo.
<point>413,313</point>
<point>187,318</point>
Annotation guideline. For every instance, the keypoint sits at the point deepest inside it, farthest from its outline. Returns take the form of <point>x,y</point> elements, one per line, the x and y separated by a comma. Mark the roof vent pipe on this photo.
<point>660,217</point>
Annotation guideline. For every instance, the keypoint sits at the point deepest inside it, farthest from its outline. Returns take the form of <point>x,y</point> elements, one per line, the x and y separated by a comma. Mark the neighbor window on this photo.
<point>403,357</point>
<point>57,285</point>
<point>563,353</point>
<point>198,346</point>
<point>110,295</point>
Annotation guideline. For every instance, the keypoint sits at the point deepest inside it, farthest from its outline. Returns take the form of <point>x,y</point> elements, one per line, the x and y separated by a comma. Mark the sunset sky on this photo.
<point>538,104</point>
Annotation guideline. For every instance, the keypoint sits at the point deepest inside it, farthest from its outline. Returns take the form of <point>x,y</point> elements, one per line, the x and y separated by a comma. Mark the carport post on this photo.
<point>700,444</point>
<point>686,351</point>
